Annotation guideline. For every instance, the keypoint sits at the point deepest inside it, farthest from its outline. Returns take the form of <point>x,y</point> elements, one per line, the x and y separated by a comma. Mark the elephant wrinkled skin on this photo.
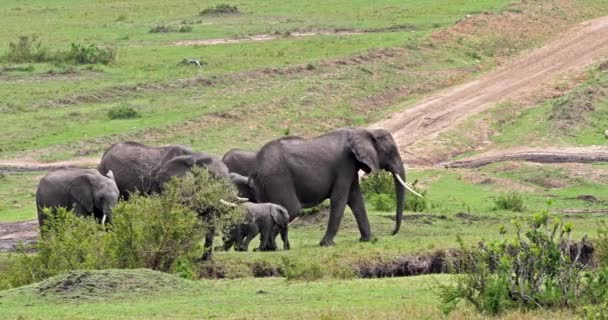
<point>86,191</point>
<point>299,173</point>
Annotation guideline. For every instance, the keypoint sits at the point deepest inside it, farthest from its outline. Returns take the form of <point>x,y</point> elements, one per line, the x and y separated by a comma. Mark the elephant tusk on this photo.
<point>240,199</point>
<point>405,185</point>
<point>226,203</point>
<point>103,220</point>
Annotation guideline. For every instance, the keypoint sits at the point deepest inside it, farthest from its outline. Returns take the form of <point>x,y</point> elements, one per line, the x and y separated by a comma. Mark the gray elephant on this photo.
<point>145,169</point>
<point>240,161</point>
<point>300,173</point>
<point>86,191</point>
<point>267,219</point>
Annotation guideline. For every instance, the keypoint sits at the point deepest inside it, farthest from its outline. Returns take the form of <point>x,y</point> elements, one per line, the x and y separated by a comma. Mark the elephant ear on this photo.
<point>279,215</point>
<point>362,144</point>
<point>81,189</point>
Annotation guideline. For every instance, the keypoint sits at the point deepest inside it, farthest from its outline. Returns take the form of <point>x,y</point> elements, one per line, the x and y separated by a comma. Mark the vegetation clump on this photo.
<point>162,28</point>
<point>512,201</point>
<point>379,189</point>
<point>220,9</point>
<point>30,49</point>
<point>161,232</point>
<point>123,112</point>
<point>540,268</point>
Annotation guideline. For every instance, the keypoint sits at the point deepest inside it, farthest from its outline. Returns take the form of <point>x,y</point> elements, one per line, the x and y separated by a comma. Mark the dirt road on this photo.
<point>570,52</point>
<point>21,165</point>
<point>562,155</point>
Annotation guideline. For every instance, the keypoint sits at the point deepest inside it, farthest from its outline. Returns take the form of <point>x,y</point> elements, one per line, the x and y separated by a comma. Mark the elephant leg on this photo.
<point>338,200</point>
<point>208,246</point>
<point>251,232</point>
<point>285,238</point>
<point>357,206</point>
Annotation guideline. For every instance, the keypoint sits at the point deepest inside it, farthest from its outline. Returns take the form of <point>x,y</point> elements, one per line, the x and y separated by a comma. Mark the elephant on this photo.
<point>86,191</point>
<point>240,161</point>
<point>243,186</point>
<point>301,173</point>
<point>144,169</point>
<point>267,219</point>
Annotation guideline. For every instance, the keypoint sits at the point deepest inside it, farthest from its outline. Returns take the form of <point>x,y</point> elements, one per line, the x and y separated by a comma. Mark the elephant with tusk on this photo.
<point>86,191</point>
<point>298,173</point>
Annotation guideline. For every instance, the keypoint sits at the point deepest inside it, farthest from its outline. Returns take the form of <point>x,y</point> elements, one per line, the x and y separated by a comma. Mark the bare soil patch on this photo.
<point>267,37</point>
<point>14,233</point>
<point>24,165</point>
<point>422,123</point>
<point>556,155</point>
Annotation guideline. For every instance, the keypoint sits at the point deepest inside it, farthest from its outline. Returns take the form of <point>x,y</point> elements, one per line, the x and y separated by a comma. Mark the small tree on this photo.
<point>540,268</point>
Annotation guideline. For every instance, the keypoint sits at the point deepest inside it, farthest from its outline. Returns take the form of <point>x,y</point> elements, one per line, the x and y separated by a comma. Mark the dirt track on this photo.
<point>562,155</point>
<point>14,233</point>
<point>423,122</point>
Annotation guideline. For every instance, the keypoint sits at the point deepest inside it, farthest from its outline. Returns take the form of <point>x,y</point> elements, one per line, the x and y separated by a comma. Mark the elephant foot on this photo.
<point>327,242</point>
<point>368,239</point>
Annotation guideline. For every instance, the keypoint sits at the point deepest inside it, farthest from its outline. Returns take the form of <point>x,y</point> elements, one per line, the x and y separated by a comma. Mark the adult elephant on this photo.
<point>144,169</point>
<point>86,191</point>
<point>299,173</point>
<point>240,161</point>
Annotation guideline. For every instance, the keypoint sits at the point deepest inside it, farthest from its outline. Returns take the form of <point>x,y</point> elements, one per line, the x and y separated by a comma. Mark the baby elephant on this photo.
<point>86,191</point>
<point>267,219</point>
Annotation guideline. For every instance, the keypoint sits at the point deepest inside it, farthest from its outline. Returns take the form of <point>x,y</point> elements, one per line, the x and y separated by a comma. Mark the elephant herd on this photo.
<point>286,175</point>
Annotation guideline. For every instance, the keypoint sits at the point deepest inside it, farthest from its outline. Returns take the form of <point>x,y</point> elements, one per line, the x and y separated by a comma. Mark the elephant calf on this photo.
<point>86,191</point>
<point>267,219</point>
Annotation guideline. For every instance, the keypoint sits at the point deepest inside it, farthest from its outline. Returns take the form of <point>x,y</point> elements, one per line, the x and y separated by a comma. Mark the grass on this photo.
<point>17,196</point>
<point>231,299</point>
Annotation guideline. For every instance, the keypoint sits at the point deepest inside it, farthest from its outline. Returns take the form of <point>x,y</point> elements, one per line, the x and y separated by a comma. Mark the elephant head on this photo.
<point>180,165</point>
<point>95,193</point>
<point>243,185</point>
<point>376,150</point>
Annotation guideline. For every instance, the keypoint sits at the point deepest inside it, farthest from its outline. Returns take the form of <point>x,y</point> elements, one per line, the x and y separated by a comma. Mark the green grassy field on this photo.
<point>251,92</point>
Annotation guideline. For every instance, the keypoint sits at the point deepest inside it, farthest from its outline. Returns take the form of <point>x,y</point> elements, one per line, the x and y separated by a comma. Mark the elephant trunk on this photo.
<point>400,199</point>
<point>107,215</point>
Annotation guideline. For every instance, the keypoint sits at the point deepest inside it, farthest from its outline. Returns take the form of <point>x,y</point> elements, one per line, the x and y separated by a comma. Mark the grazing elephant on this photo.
<point>300,173</point>
<point>267,219</point>
<point>86,191</point>
<point>240,161</point>
<point>145,169</point>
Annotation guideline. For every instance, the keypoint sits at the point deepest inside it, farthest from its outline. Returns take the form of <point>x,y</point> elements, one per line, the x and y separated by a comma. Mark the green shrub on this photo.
<point>382,202</point>
<point>92,54</point>
<point>220,9</point>
<point>160,232</point>
<point>123,112</point>
<point>512,201</point>
<point>27,49</point>
<point>534,270</point>
<point>379,189</point>
<point>30,49</point>
<point>161,28</point>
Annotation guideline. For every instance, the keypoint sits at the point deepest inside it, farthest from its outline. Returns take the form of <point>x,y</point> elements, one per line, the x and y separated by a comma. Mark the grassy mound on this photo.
<point>106,284</point>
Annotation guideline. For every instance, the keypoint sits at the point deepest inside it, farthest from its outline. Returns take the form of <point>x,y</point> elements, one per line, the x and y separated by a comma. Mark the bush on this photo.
<point>160,232</point>
<point>161,28</point>
<point>30,49</point>
<point>122,112</point>
<point>220,9</point>
<point>379,189</point>
<point>540,268</point>
<point>79,54</point>
<point>512,201</point>
<point>27,49</point>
